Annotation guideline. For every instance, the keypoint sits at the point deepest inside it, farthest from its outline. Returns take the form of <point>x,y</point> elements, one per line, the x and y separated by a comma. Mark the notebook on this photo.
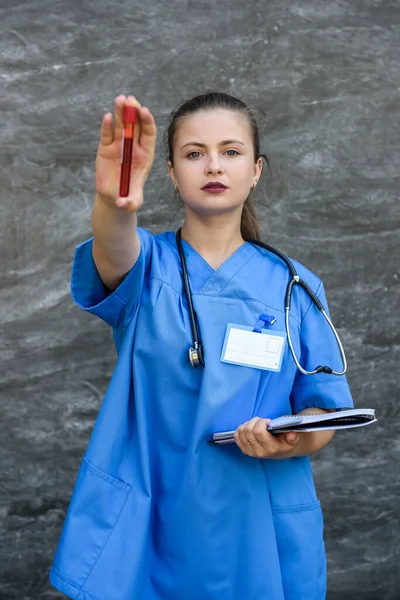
<point>342,419</point>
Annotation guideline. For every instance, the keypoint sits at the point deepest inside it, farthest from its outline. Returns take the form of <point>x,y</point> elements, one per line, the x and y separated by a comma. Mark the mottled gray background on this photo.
<point>327,75</point>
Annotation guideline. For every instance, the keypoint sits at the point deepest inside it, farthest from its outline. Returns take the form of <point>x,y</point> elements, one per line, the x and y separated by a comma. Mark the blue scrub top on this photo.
<point>157,512</point>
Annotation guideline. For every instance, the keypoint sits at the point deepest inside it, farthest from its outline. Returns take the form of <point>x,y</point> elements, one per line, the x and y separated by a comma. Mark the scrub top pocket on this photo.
<point>94,510</point>
<point>299,537</point>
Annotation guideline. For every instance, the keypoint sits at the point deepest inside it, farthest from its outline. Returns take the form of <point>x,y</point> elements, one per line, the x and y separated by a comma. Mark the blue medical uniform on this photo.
<point>159,513</point>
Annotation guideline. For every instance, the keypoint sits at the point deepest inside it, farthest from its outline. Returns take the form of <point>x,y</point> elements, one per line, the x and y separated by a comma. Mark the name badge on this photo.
<point>243,346</point>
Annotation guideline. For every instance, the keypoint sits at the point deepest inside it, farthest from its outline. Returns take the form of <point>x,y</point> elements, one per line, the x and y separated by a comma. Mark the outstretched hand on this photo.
<point>254,440</point>
<point>108,159</point>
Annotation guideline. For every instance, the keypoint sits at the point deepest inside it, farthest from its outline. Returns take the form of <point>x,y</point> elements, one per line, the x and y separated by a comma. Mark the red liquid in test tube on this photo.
<point>129,118</point>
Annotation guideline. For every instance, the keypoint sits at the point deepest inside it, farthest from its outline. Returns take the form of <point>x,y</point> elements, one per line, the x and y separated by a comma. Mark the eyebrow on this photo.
<point>223,143</point>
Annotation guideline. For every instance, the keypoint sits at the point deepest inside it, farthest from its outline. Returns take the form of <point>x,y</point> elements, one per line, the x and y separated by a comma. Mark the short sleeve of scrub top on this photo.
<point>319,347</point>
<point>90,294</point>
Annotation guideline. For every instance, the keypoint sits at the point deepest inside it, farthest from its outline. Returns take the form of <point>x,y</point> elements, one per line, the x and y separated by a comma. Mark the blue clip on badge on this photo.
<point>263,321</point>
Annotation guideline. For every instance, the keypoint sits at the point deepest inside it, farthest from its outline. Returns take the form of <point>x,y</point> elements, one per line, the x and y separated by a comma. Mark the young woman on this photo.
<point>158,512</point>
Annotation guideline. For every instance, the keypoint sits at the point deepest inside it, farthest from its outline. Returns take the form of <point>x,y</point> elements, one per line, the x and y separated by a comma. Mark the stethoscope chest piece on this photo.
<point>196,356</point>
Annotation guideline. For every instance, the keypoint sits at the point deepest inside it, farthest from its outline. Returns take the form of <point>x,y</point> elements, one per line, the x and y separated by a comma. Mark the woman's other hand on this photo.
<point>254,440</point>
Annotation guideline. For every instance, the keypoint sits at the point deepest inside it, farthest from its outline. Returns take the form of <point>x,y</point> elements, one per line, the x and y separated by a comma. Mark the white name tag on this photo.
<point>243,346</point>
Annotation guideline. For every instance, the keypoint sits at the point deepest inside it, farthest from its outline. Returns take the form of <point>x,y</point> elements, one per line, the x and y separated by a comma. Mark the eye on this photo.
<point>190,155</point>
<point>235,151</point>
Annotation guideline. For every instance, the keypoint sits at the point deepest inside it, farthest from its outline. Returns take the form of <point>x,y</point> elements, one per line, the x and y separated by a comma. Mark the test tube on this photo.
<point>129,118</point>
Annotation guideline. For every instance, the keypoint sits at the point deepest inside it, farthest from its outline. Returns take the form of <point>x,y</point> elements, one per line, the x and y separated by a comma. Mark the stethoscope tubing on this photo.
<point>196,351</point>
<point>318,369</point>
<point>185,278</point>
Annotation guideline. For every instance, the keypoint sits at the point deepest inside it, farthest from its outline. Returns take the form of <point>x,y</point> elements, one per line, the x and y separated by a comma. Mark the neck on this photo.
<point>214,238</point>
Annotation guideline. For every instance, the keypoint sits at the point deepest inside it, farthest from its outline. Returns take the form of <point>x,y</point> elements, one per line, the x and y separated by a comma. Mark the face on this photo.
<point>214,146</point>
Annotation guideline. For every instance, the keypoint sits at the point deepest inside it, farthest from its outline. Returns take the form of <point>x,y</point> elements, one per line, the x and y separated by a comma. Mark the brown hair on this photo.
<point>249,226</point>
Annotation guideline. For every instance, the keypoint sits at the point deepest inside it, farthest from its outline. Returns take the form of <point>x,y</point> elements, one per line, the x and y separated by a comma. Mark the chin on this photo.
<point>213,206</point>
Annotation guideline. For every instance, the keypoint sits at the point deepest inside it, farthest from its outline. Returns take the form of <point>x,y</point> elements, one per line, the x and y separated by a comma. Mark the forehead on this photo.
<point>209,126</point>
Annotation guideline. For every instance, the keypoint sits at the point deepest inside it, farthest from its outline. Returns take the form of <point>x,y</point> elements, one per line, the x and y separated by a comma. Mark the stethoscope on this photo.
<point>196,355</point>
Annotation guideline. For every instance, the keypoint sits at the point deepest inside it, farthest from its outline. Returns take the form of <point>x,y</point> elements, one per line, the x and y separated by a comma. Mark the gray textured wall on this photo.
<point>327,74</point>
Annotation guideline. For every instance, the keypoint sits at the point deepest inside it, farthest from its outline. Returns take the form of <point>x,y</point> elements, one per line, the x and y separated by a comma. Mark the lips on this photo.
<point>216,185</point>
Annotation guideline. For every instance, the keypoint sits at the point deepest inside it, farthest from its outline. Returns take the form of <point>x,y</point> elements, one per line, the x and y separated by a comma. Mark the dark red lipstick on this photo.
<point>214,187</point>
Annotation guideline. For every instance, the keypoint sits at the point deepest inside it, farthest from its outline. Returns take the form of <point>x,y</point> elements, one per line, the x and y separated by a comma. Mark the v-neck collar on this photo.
<point>187,247</point>
<point>204,279</point>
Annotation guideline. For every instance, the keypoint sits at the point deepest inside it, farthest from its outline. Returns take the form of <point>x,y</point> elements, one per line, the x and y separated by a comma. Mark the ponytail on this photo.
<point>249,225</point>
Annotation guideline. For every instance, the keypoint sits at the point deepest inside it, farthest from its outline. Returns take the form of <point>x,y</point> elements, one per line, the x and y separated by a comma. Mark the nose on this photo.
<point>214,164</point>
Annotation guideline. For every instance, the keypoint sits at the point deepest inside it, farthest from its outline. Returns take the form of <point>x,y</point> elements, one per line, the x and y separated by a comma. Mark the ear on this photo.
<point>171,173</point>
<point>258,167</point>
